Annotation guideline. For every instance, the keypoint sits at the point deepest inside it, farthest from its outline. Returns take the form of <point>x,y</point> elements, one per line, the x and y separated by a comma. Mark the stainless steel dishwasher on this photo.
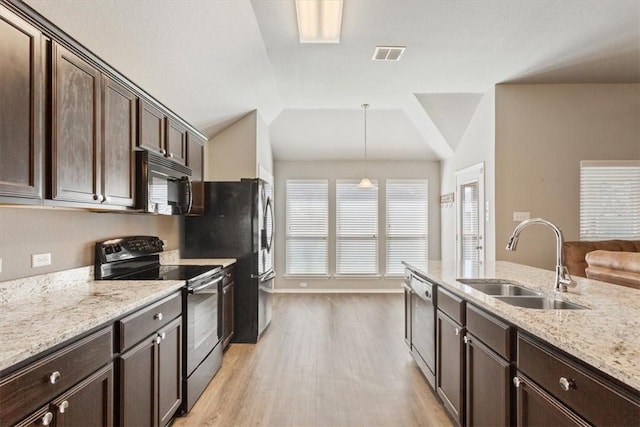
<point>423,343</point>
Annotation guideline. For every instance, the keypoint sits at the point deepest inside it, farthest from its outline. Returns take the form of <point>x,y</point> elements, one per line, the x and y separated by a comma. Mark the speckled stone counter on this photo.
<point>605,336</point>
<point>40,312</point>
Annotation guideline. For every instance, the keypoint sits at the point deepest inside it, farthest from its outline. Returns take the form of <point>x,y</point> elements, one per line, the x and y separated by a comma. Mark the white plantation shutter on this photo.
<point>609,200</point>
<point>407,223</point>
<point>356,228</point>
<point>469,229</point>
<point>307,226</point>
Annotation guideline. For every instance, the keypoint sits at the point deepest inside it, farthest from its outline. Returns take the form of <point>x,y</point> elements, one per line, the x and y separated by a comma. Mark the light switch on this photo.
<point>521,216</point>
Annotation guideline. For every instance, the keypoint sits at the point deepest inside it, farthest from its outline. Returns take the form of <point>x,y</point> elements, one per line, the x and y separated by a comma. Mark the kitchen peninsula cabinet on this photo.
<point>21,110</point>
<point>227,311</point>
<point>73,386</point>
<point>94,121</point>
<point>150,365</point>
<point>450,353</point>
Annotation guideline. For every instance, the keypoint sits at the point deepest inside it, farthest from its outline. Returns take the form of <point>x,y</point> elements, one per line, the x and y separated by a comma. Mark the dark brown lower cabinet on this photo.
<point>450,365</point>
<point>89,403</point>
<point>488,386</point>
<point>150,379</point>
<point>537,408</point>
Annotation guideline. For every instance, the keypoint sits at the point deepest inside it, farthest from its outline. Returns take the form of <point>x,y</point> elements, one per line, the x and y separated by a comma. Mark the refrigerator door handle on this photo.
<point>264,276</point>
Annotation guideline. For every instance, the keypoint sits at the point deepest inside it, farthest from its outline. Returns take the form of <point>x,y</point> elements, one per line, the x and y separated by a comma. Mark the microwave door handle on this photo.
<point>190,185</point>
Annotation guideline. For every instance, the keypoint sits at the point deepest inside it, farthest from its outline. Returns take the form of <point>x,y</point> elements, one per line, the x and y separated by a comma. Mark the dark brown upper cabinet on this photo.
<point>161,134</point>
<point>21,110</point>
<point>176,141</point>
<point>118,141</point>
<point>195,161</point>
<point>75,139</point>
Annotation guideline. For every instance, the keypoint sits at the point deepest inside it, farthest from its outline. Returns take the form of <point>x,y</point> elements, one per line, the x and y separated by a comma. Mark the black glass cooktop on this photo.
<point>171,272</point>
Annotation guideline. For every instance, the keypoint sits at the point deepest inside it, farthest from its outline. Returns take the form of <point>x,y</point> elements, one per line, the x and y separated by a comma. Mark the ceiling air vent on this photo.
<point>388,53</point>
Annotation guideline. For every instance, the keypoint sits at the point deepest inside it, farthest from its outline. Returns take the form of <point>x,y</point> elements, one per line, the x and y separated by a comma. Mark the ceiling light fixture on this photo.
<point>319,21</point>
<point>366,182</point>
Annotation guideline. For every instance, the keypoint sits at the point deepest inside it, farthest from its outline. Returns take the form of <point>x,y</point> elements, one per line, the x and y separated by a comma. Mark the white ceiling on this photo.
<point>213,61</point>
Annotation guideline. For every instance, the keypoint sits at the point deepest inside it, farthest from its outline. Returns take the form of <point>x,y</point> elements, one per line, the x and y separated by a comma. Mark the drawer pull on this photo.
<point>457,331</point>
<point>158,316</point>
<point>46,419</point>
<point>54,377</point>
<point>163,335</point>
<point>158,339</point>
<point>63,406</point>
<point>517,382</point>
<point>567,384</point>
<point>466,340</point>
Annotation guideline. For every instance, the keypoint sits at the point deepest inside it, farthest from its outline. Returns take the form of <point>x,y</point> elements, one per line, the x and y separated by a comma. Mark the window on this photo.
<point>356,228</point>
<point>407,224</point>
<point>609,200</point>
<point>307,227</point>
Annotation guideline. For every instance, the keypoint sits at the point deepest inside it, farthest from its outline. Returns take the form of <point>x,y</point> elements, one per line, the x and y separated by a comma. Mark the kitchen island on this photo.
<point>600,339</point>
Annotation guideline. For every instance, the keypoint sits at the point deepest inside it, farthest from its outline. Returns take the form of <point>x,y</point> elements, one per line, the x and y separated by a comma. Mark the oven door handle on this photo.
<point>200,288</point>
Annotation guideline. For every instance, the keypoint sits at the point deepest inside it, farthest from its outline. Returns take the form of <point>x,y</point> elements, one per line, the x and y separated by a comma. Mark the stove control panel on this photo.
<point>127,248</point>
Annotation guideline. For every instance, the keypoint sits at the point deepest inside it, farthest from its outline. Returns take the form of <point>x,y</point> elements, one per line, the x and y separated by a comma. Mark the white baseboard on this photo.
<point>336,291</point>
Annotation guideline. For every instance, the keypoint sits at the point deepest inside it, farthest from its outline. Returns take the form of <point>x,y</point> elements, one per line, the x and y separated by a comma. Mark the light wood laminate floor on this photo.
<point>325,360</point>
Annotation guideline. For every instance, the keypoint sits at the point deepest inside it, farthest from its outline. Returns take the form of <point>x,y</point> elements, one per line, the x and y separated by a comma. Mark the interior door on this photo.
<point>470,245</point>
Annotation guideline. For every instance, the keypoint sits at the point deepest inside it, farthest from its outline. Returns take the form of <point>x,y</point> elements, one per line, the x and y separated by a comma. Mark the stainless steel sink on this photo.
<point>498,287</point>
<point>542,303</point>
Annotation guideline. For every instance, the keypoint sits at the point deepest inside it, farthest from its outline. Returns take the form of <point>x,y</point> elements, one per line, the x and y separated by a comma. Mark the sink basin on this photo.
<point>542,303</point>
<point>498,287</point>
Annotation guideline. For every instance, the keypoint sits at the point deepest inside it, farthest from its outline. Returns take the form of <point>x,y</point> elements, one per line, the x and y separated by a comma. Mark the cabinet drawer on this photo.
<point>592,397</point>
<point>493,332</point>
<point>451,305</point>
<point>139,325</point>
<point>38,383</point>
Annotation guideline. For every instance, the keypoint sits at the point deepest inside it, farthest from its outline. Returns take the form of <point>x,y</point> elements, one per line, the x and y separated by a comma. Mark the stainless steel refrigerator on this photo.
<point>238,223</point>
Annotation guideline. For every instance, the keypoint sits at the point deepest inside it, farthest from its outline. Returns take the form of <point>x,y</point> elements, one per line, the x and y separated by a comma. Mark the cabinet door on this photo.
<point>227,313</point>
<point>21,108</point>
<point>75,165</point>
<point>90,403</point>
<point>118,143</point>
<point>488,388</point>
<point>169,371</point>
<point>138,375</point>
<point>195,161</point>
<point>150,127</point>
<point>537,408</point>
<point>450,365</point>
<point>176,141</point>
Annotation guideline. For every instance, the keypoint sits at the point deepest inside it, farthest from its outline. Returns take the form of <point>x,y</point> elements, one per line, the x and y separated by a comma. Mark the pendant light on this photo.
<point>365,182</point>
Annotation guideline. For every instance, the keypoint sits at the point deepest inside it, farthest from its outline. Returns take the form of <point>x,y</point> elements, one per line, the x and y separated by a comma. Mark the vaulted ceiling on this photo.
<point>214,61</point>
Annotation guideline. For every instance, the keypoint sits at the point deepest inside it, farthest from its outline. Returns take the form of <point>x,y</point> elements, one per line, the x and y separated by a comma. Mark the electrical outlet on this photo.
<point>521,216</point>
<point>303,284</point>
<point>40,260</point>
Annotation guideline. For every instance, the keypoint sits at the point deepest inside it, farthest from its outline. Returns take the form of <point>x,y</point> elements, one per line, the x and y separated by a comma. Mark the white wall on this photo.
<point>264,157</point>
<point>351,170</point>
<point>476,145</point>
<point>542,134</point>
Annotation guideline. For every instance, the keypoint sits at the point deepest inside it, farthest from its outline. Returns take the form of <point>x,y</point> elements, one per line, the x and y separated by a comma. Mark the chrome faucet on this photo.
<point>563,278</point>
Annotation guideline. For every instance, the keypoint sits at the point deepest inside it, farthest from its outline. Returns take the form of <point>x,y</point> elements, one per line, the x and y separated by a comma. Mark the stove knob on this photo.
<point>108,250</point>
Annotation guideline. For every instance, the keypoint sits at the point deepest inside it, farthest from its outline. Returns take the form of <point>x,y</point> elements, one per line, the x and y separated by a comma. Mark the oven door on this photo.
<point>202,328</point>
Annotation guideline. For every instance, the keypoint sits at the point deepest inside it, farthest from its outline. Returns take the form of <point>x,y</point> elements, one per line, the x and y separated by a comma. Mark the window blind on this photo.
<point>609,200</point>
<point>407,207</point>
<point>307,219</point>
<point>356,228</point>
<point>469,205</point>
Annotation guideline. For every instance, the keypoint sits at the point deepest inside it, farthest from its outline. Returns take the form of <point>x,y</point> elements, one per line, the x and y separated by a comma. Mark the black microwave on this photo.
<point>163,186</point>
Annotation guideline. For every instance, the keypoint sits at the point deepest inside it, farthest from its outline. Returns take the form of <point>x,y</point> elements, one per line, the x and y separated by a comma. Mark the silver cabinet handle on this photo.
<point>96,197</point>
<point>466,340</point>
<point>106,199</point>
<point>158,316</point>
<point>457,331</point>
<point>63,406</point>
<point>517,382</point>
<point>163,335</point>
<point>46,419</point>
<point>158,339</point>
<point>566,384</point>
<point>163,151</point>
<point>170,155</point>
<point>54,377</point>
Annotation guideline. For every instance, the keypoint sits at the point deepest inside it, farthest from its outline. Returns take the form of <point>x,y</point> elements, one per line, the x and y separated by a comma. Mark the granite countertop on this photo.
<point>604,336</point>
<point>40,312</point>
